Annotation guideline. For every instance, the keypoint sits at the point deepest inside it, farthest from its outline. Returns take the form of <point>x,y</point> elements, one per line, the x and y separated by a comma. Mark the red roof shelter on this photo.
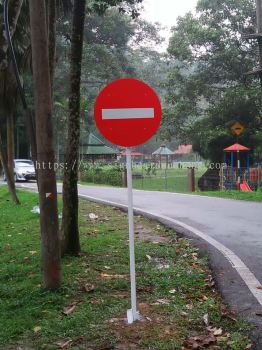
<point>133,154</point>
<point>238,174</point>
<point>236,147</point>
<point>184,149</point>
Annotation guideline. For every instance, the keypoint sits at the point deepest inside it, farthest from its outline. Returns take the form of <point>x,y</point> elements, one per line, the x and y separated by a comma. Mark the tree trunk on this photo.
<point>52,38</point>
<point>70,230</point>
<point>10,143</point>
<point>45,153</point>
<point>9,178</point>
<point>16,6</point>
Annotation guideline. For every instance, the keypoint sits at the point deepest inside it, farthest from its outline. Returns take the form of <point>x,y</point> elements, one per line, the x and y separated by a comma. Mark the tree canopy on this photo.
<point>207,89</point>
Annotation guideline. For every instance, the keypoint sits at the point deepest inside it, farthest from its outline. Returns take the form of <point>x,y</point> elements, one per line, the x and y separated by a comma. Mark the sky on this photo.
<point>166,11</point>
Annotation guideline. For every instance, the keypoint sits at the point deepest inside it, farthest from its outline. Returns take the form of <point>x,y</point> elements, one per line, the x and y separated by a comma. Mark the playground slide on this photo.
<point>245,187</point>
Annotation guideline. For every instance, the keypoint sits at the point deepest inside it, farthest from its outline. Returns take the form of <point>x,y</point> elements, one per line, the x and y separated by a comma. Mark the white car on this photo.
<point>24,170</point>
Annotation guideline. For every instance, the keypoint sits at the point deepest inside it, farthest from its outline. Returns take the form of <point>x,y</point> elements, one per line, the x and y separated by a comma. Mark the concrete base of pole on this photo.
<point>131,317</point>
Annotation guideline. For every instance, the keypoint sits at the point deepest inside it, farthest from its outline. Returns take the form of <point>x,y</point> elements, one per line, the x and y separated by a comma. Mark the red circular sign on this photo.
<point>127,112</point>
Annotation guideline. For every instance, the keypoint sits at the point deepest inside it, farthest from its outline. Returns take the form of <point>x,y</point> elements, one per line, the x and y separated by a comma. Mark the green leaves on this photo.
<point>124,6</point>
<point>207,89</point>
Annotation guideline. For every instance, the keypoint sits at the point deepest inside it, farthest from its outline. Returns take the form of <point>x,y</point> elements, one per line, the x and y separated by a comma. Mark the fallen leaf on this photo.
<point>209,281</point>
<point>88,287</point>
<point>223,338</point>
<point>161,302</point>
<point>106,275</point>
<point>206,319</point>
<point>199,342</point>
<point>183,313</point>
<point>37,329</point>
<point>167,329</point>
<point>218,331</point>
<point>149,257</point>
<point>116,320</point>
<point>64,343</point>
<point>92,216</point>
<point>194,256</point>
<point>33,252</point>
<point>189,306</point>
<point>69,309</point>
<point>172,291</point>
<point>259,287</point>
<point>225,311</point>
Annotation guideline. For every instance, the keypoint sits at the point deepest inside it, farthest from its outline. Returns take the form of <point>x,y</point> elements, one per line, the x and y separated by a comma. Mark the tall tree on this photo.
<point>10,142</point>
<point>50,243</point>
<point>209,60</point>
<point>51,6</point>
<point>9,178</point>
<point>8,93</point>
<point>70,231</point>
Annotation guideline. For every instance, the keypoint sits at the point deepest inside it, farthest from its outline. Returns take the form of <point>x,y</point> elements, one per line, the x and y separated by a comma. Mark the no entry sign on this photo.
<point>127,112</point>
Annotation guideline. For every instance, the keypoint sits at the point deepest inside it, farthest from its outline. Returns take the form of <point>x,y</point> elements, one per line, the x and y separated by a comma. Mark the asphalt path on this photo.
<point>229,230</point>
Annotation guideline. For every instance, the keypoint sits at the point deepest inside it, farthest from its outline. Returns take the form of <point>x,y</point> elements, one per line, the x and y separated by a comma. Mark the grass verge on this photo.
<point>176,292</point>
<point>238,195</point>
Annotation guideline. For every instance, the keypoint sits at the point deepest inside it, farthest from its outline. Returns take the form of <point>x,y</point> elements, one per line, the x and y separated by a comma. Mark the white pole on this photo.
<point>132,314</point>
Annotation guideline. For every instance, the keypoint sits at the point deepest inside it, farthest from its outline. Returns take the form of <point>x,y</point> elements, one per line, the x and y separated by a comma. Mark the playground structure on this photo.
<point>236,173</point>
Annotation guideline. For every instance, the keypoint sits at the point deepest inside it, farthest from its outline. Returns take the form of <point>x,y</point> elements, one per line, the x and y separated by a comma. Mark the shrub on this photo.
<point>104,174</point>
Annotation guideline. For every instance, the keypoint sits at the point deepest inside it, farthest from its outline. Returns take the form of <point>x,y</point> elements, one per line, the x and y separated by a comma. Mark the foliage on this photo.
<point>124,6</point>
<point>103,174</point>
<point>212,132</point>
<point>207,81</point>
<point>115,46</point>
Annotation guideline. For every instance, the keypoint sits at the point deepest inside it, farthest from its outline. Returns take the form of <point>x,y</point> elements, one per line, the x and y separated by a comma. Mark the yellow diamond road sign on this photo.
<point>237,129</point>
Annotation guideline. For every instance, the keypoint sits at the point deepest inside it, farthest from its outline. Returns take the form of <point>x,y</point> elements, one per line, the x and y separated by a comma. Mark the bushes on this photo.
<point>103,174</point>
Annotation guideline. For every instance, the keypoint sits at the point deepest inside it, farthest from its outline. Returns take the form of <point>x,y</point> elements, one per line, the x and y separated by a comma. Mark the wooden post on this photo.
<point>191,179</point>
<point>124,178</point>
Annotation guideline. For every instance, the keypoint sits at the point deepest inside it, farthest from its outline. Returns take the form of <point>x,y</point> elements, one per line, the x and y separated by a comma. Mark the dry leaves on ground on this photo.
<point>226,312</point>
<point>71,308</point>
<point>199,342</point>
<point>88,288</point>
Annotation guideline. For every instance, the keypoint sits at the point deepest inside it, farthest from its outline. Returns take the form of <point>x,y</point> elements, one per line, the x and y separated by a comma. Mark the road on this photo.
<point>230,230</point>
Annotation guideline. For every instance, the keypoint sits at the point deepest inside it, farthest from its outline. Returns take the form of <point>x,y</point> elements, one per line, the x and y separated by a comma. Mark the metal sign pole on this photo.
<point>132,314</point>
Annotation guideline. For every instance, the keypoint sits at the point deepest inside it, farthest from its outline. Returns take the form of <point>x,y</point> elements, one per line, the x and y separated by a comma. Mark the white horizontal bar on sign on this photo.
<point>128,113</point>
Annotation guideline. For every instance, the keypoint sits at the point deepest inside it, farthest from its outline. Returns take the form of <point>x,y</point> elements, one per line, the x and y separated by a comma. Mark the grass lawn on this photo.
<point>176,292</point>
<point>171,180</point>
<point>247,196</point>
